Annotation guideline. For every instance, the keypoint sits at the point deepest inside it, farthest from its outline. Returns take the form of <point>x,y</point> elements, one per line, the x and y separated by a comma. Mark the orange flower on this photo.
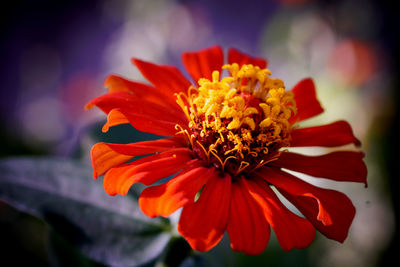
<point>228,140</point>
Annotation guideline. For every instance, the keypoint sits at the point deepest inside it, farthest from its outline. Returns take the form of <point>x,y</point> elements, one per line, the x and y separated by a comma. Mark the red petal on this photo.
<point>306,101</point>
<point>104,159</point>
<point>145,147</point>
<point>150,124</point>
<point>147,170</point>
<point>114,118</point>
<point>236,56</point>
<point>133,104</point>
<point>105,156</point>
<point>166,78</point>
<point>203,222</point>
<point>164,199</point>
<point>141,122</point>
<point>292,231</point>
<point>340,166</point>
<point>202,63</point>
<point>248,228</point>
<point>331,212</point>
<point>116,83</point>
<point>335,134</point>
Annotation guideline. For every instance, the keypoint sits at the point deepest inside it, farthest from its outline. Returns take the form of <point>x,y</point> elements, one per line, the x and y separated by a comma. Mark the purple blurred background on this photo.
<point>56,55</point>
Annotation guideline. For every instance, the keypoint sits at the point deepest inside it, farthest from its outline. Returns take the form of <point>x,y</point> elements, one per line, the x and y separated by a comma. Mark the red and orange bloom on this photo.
<point>228,143</point>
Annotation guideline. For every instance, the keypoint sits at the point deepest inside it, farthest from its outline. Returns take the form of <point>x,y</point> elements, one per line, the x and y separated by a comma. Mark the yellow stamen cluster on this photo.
<point>242,118</point>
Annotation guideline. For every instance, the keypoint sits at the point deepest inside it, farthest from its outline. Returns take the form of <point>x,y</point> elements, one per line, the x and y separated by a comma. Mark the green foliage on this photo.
<point>110,230</point>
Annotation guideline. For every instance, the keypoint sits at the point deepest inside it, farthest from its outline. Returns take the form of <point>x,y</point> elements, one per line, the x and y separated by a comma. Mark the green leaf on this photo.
<point>111,230</point>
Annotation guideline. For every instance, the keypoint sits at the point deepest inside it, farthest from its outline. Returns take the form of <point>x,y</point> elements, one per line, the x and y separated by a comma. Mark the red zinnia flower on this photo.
<point>227,146</point>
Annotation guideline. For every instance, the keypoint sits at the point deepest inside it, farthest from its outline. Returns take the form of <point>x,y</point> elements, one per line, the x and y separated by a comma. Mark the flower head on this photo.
<point>229,140</point>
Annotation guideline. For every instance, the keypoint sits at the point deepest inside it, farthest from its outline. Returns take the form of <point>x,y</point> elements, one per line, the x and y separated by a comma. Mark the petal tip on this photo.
<point>105,127</point>
<point>88,106</point>
<point>136,61</point>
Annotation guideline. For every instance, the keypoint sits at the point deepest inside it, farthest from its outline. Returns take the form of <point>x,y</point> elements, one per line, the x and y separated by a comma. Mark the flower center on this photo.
<point>238,123</point>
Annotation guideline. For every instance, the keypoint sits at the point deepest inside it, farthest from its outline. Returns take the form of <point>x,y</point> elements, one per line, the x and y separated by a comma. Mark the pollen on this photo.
<point>240,122</point>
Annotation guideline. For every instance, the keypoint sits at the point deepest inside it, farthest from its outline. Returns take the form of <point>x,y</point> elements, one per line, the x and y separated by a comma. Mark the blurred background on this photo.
<point>56,55</point>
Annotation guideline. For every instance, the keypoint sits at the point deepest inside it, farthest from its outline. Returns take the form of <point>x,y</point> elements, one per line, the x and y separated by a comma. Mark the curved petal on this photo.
<point>203,222</point>
<point>306,101</point>
<point>248,228</point>
<point>340,166</point>
<point>331,212</point>
<point>106,156</point>
<point>168,79</point>
<point>202,63</point>
<point>150,124</point>
<point>236,56</point>
<point>133,104</point>
<point>330,135</point>
<point>143,123</point>
<point>292,231</point>
<point>116,83</point>
<point>164,199</point>
<point>148,170</point>
<point>114,117</point>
